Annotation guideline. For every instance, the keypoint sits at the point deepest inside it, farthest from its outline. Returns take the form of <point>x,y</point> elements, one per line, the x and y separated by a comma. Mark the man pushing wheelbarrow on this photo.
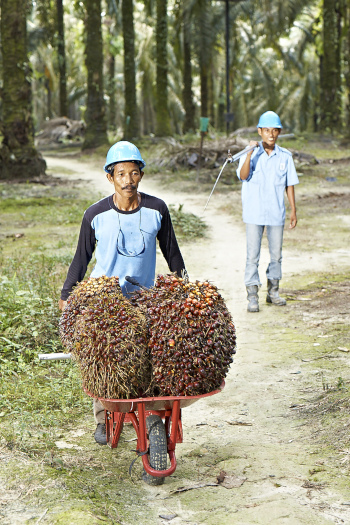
<point>145,347</point>
<point>122,230</point>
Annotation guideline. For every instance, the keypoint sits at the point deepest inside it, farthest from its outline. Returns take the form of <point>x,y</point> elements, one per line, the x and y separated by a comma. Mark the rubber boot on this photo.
<point>272,293</point>
<point>252,296</point>
<point>100,434</point>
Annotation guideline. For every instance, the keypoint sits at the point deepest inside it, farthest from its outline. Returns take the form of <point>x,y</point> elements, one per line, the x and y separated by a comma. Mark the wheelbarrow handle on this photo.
<point>54,356</point>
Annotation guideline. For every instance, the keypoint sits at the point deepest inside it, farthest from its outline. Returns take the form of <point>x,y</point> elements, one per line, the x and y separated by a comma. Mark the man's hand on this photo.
<point>245,169</point>
<point>293,220</point>
<point>62,304</point>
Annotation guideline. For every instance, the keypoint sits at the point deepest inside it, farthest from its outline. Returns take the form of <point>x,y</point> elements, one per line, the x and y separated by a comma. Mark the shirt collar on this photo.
<point>275,150</point>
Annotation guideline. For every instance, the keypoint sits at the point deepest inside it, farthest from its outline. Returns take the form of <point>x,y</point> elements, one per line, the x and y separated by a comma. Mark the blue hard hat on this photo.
<point>123,151</point>
<point>269,119</point>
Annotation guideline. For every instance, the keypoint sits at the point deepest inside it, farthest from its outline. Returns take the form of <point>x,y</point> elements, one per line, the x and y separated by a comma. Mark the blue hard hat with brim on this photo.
<point>269,119</point>
<point>123,151</point>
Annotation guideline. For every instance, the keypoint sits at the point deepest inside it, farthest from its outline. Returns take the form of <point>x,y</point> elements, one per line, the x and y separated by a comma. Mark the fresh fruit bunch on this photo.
<point>191,336</point>
<point>82,293</point>
<point>109,340</point>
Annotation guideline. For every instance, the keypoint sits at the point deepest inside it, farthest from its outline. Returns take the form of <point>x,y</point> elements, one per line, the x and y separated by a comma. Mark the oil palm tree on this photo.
<point>50,15</point>
<point>331,65</point>
<point>95,117</point>
<point>188,102</point>
<point>18,156</point>
<point>276,64</point>
<point>131,127</point>
<point>162,114</point>
<point>61,55</point>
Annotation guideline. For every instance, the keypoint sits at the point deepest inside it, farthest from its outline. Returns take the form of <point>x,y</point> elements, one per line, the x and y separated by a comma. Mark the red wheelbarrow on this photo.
<point>158,426</point>
<point>156,420</point>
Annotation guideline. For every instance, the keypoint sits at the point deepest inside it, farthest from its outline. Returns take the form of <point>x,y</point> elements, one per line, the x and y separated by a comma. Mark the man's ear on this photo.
<point>259,131</point>
<point>110,178</point>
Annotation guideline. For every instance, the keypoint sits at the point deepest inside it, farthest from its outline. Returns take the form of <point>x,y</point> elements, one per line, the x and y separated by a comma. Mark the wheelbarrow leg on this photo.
<point>114,427</point>
<point>173,426</point>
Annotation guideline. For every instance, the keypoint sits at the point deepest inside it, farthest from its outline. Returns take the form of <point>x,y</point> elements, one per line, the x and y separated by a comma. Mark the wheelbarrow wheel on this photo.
<point>157,448</point>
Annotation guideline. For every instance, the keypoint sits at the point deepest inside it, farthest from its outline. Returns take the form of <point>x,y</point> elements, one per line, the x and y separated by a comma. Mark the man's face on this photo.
<point>126,178</point>
<point>269,135</point>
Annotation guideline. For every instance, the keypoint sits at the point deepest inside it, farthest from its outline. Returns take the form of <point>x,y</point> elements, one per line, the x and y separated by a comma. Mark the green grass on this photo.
<point>187,226</point>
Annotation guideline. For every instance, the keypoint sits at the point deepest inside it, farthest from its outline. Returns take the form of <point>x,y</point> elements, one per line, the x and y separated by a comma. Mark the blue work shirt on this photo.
<point>263,191</point>
<point>124,243</point>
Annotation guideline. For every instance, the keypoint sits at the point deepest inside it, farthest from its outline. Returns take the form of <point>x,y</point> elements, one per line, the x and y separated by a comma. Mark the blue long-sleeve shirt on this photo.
<point>124,243</point>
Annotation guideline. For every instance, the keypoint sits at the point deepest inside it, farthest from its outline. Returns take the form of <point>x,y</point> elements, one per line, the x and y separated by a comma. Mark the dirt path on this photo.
<point>247,430</point>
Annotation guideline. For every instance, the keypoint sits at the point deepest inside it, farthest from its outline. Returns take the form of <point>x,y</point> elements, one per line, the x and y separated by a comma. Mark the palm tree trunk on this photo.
<point>189,125</point>
<point>18,157</point>
<point>131,127</point>
<point>111,91</point>
<point>203,49</point>
<point>163,122</point>
<point>95,117</point>
<point>211,96</point>
<point>204,87</point>
<point>61,52</point>
<point>331,66</point>
<point>347,60</point>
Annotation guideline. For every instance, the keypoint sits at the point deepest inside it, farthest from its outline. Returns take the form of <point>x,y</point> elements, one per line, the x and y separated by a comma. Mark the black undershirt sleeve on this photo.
<point>82,257</point>
<point>169,246</point>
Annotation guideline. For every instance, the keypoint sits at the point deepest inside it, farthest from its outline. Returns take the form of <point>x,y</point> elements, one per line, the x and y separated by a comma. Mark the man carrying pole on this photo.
<point>266,173</point>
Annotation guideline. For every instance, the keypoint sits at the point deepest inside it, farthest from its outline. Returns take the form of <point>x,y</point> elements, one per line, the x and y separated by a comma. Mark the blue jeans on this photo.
<point>254,235</point>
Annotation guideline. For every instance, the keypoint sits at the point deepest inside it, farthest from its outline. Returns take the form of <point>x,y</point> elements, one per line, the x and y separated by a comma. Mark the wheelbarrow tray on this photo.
<point>151,403</point>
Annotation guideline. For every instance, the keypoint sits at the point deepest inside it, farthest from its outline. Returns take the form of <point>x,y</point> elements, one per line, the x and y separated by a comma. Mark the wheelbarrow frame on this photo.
<point>120,411</point>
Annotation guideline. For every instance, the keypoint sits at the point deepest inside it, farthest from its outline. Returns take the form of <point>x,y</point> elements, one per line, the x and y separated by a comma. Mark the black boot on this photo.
<point>272,293</point>
<point>100,434</point>
<point>252,296</point>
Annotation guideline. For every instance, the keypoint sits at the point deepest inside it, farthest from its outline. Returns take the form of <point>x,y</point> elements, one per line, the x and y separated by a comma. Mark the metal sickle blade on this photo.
<point>229,159</point>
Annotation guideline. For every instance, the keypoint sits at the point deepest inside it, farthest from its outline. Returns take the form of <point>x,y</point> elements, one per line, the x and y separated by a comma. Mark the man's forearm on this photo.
<point>291,198</point>
<point>293,212</point>
<point>245,169</point>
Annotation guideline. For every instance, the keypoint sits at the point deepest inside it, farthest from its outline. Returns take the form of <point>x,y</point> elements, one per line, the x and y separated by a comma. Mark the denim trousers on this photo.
<point>254,235</point>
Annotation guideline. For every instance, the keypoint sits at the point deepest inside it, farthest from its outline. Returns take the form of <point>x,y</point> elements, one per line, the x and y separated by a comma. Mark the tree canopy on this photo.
<point>151,66</point>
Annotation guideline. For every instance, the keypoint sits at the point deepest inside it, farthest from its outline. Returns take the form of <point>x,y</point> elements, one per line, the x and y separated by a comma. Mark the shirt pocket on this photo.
<point>281,174</point>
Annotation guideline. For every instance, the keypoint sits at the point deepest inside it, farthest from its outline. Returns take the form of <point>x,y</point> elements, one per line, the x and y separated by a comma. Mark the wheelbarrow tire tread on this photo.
<point>157,448</point>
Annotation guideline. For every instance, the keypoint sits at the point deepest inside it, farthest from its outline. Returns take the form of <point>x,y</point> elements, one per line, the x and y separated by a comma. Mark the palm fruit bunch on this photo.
<point>191,336</point>
<point>108,337</point>
<point>84,292</point>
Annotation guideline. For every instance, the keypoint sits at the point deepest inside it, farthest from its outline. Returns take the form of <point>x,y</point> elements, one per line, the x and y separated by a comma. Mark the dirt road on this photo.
<point>248,430</point>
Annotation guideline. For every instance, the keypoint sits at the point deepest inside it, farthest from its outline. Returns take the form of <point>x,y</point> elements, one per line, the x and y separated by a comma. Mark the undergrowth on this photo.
<point>187,226</point>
